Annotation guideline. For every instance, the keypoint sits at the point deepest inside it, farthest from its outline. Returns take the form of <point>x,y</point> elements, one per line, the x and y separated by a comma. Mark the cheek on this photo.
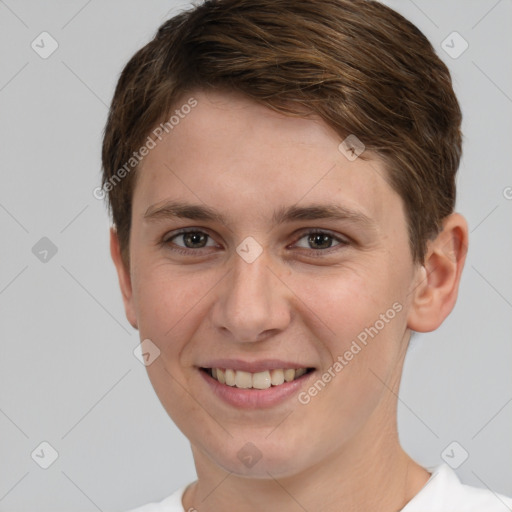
<point>170,305</point>
<point>360,335</point>
<point>169,311</point>
<point>365,312</point>
<point>344,302</point>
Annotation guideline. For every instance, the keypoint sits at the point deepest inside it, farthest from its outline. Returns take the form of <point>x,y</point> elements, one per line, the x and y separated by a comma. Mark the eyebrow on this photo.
<point>177,209</point>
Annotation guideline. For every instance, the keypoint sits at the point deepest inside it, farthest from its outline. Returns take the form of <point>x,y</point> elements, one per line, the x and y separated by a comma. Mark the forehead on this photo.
<point>240,157</point>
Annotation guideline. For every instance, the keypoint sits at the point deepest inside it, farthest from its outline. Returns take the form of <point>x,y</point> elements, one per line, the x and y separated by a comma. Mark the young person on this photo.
<point>281,177</point>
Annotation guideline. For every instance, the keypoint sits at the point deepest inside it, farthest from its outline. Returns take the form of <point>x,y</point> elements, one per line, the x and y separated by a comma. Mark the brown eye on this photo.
<point>320,240</point>
<point>192,239</point>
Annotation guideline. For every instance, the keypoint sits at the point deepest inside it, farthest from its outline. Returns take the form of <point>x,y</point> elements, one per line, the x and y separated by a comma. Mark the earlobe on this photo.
<point>437,280</point>
<point>123,274</point>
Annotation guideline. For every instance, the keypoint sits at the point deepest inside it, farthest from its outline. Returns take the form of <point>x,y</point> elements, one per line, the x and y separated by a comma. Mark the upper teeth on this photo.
<point>260,380</point>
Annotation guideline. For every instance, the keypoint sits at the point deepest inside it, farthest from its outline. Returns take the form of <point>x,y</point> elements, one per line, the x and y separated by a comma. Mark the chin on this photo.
<point>259,460</point>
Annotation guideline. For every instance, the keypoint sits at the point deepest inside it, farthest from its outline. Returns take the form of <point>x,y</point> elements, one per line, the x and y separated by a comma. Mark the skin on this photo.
<point>297,301</point>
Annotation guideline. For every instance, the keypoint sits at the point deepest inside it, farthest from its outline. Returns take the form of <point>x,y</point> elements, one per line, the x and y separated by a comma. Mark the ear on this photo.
<point>437,280</point>
<point>123,274</point>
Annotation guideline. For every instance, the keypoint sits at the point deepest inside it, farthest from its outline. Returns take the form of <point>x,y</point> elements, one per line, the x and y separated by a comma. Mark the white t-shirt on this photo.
<point>443,492</point>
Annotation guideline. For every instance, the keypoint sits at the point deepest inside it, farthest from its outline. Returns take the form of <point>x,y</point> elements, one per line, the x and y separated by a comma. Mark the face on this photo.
<point>257,246</point>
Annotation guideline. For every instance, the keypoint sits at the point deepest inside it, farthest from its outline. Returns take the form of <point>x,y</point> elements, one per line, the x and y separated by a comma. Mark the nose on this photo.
<point>252,302</point>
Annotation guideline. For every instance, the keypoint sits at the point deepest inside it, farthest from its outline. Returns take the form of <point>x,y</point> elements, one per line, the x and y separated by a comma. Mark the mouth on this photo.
<point>258,381</point>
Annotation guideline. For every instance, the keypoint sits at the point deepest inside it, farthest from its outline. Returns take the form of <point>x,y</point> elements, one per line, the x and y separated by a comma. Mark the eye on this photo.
<point>191,239</point>
<point>320,240</point>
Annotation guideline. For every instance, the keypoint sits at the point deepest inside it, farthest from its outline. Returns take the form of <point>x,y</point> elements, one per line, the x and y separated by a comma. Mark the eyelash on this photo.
<point>187,251</point>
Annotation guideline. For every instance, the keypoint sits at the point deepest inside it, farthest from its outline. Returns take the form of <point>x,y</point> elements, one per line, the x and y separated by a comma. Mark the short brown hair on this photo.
<point>359,65</point>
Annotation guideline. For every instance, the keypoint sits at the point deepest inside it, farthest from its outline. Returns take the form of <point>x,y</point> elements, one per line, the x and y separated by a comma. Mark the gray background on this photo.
<point>68,375</point>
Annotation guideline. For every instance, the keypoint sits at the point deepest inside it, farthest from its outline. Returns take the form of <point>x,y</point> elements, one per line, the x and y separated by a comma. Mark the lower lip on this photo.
<point>255,398</point>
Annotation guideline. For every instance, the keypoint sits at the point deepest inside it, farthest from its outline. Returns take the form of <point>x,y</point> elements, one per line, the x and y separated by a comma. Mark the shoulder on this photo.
<point>444,492</point>
<point>170,504</point>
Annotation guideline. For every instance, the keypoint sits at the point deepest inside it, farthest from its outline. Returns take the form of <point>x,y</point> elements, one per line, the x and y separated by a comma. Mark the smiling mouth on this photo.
<point>260,380</point>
